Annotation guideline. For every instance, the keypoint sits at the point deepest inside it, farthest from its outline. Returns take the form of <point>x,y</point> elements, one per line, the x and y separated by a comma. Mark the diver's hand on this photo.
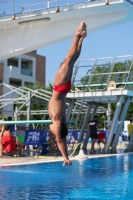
<point>67,162</point>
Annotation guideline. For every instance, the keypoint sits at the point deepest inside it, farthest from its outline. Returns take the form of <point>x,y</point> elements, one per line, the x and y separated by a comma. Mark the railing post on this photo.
<point>13,10</point>
<point>48,4</point>
<point>57,3</point>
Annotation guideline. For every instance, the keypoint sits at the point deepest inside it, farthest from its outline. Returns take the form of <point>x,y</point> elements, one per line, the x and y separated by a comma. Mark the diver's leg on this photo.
<point>77,56</point>
<point>66,67</point>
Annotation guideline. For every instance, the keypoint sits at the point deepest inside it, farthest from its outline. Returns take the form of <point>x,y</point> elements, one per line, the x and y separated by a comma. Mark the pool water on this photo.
<point>99,178</point>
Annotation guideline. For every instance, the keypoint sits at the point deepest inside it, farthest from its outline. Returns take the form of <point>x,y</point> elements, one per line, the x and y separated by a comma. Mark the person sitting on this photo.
<point>1,135</point>
<point>10,125</point>
<point>44,145</point>
<point>101,138</point>
<point>49,145</point>
<point>9,146</point>
<point>21,128</point>
<point>130,129</point>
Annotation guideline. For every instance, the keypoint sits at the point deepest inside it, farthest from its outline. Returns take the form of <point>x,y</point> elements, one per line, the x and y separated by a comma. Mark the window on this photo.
<point>12,62</point>
<point>28,84</point>
<point>26,67</point>
<point>15,82</point>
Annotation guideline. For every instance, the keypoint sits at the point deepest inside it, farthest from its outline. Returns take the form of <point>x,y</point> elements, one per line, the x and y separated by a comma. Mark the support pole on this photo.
<point>85,122</point>
<point>114,123</point>
<point>28,108</point>
<point>70,109</point>
<point>78,116</point>
<point>119,128</point>
<point>28,104</point>
<point>88,133</point>
<point>16,116</point>
<point>109,112</point>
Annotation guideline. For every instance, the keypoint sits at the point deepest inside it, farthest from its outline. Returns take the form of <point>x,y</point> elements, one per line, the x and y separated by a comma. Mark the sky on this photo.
<point>114,41</point>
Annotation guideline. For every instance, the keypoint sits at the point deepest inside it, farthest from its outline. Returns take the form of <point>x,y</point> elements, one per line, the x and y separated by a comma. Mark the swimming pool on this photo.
<point>99,178</point>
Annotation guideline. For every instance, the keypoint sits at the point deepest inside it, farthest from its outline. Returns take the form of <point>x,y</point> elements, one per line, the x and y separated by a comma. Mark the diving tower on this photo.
<point>102,81</point>
<point>32,29</point>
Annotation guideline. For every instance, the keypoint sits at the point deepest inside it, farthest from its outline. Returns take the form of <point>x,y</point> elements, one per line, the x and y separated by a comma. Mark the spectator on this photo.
<point>21,128</point>
<point>93,125</point>
<point>10,125</point>
<point>20,146</point>
<point>101,138</point>
<point>130,129</point>
<point>9,146</point>
<point>20,135</point>
<point>44,145</point>
<point>1,135</point>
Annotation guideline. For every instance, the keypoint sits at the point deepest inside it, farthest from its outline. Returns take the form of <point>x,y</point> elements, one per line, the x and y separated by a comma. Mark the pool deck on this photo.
<point>13,161</point>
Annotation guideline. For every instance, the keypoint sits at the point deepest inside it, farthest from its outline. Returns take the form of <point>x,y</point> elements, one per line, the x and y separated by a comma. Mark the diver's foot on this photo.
<point>81,30</point>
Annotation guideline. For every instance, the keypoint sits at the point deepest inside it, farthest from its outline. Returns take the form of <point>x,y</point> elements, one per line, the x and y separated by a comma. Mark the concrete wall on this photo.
<point>1,72</point>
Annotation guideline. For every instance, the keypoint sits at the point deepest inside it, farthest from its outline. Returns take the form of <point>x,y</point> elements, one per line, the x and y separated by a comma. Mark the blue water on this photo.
<point>101,178</point>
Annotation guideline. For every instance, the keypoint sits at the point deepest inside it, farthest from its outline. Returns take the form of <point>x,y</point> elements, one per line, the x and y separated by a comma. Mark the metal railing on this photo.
<point>43,4</point>
<point>97,77</point>
<point>13,9</point>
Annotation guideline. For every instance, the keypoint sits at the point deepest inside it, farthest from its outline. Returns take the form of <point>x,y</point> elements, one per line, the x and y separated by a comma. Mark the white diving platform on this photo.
<point>101,96</point>
<point>33,29</point>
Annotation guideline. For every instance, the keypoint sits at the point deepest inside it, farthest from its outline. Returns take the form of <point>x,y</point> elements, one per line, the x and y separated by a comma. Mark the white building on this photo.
<point>20,70</point>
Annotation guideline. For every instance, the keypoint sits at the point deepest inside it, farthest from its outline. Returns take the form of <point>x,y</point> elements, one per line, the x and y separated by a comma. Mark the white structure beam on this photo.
<point>29,31</point>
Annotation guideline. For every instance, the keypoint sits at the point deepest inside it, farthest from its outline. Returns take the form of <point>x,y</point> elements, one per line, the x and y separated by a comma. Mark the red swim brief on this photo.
<point>63,89</point>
